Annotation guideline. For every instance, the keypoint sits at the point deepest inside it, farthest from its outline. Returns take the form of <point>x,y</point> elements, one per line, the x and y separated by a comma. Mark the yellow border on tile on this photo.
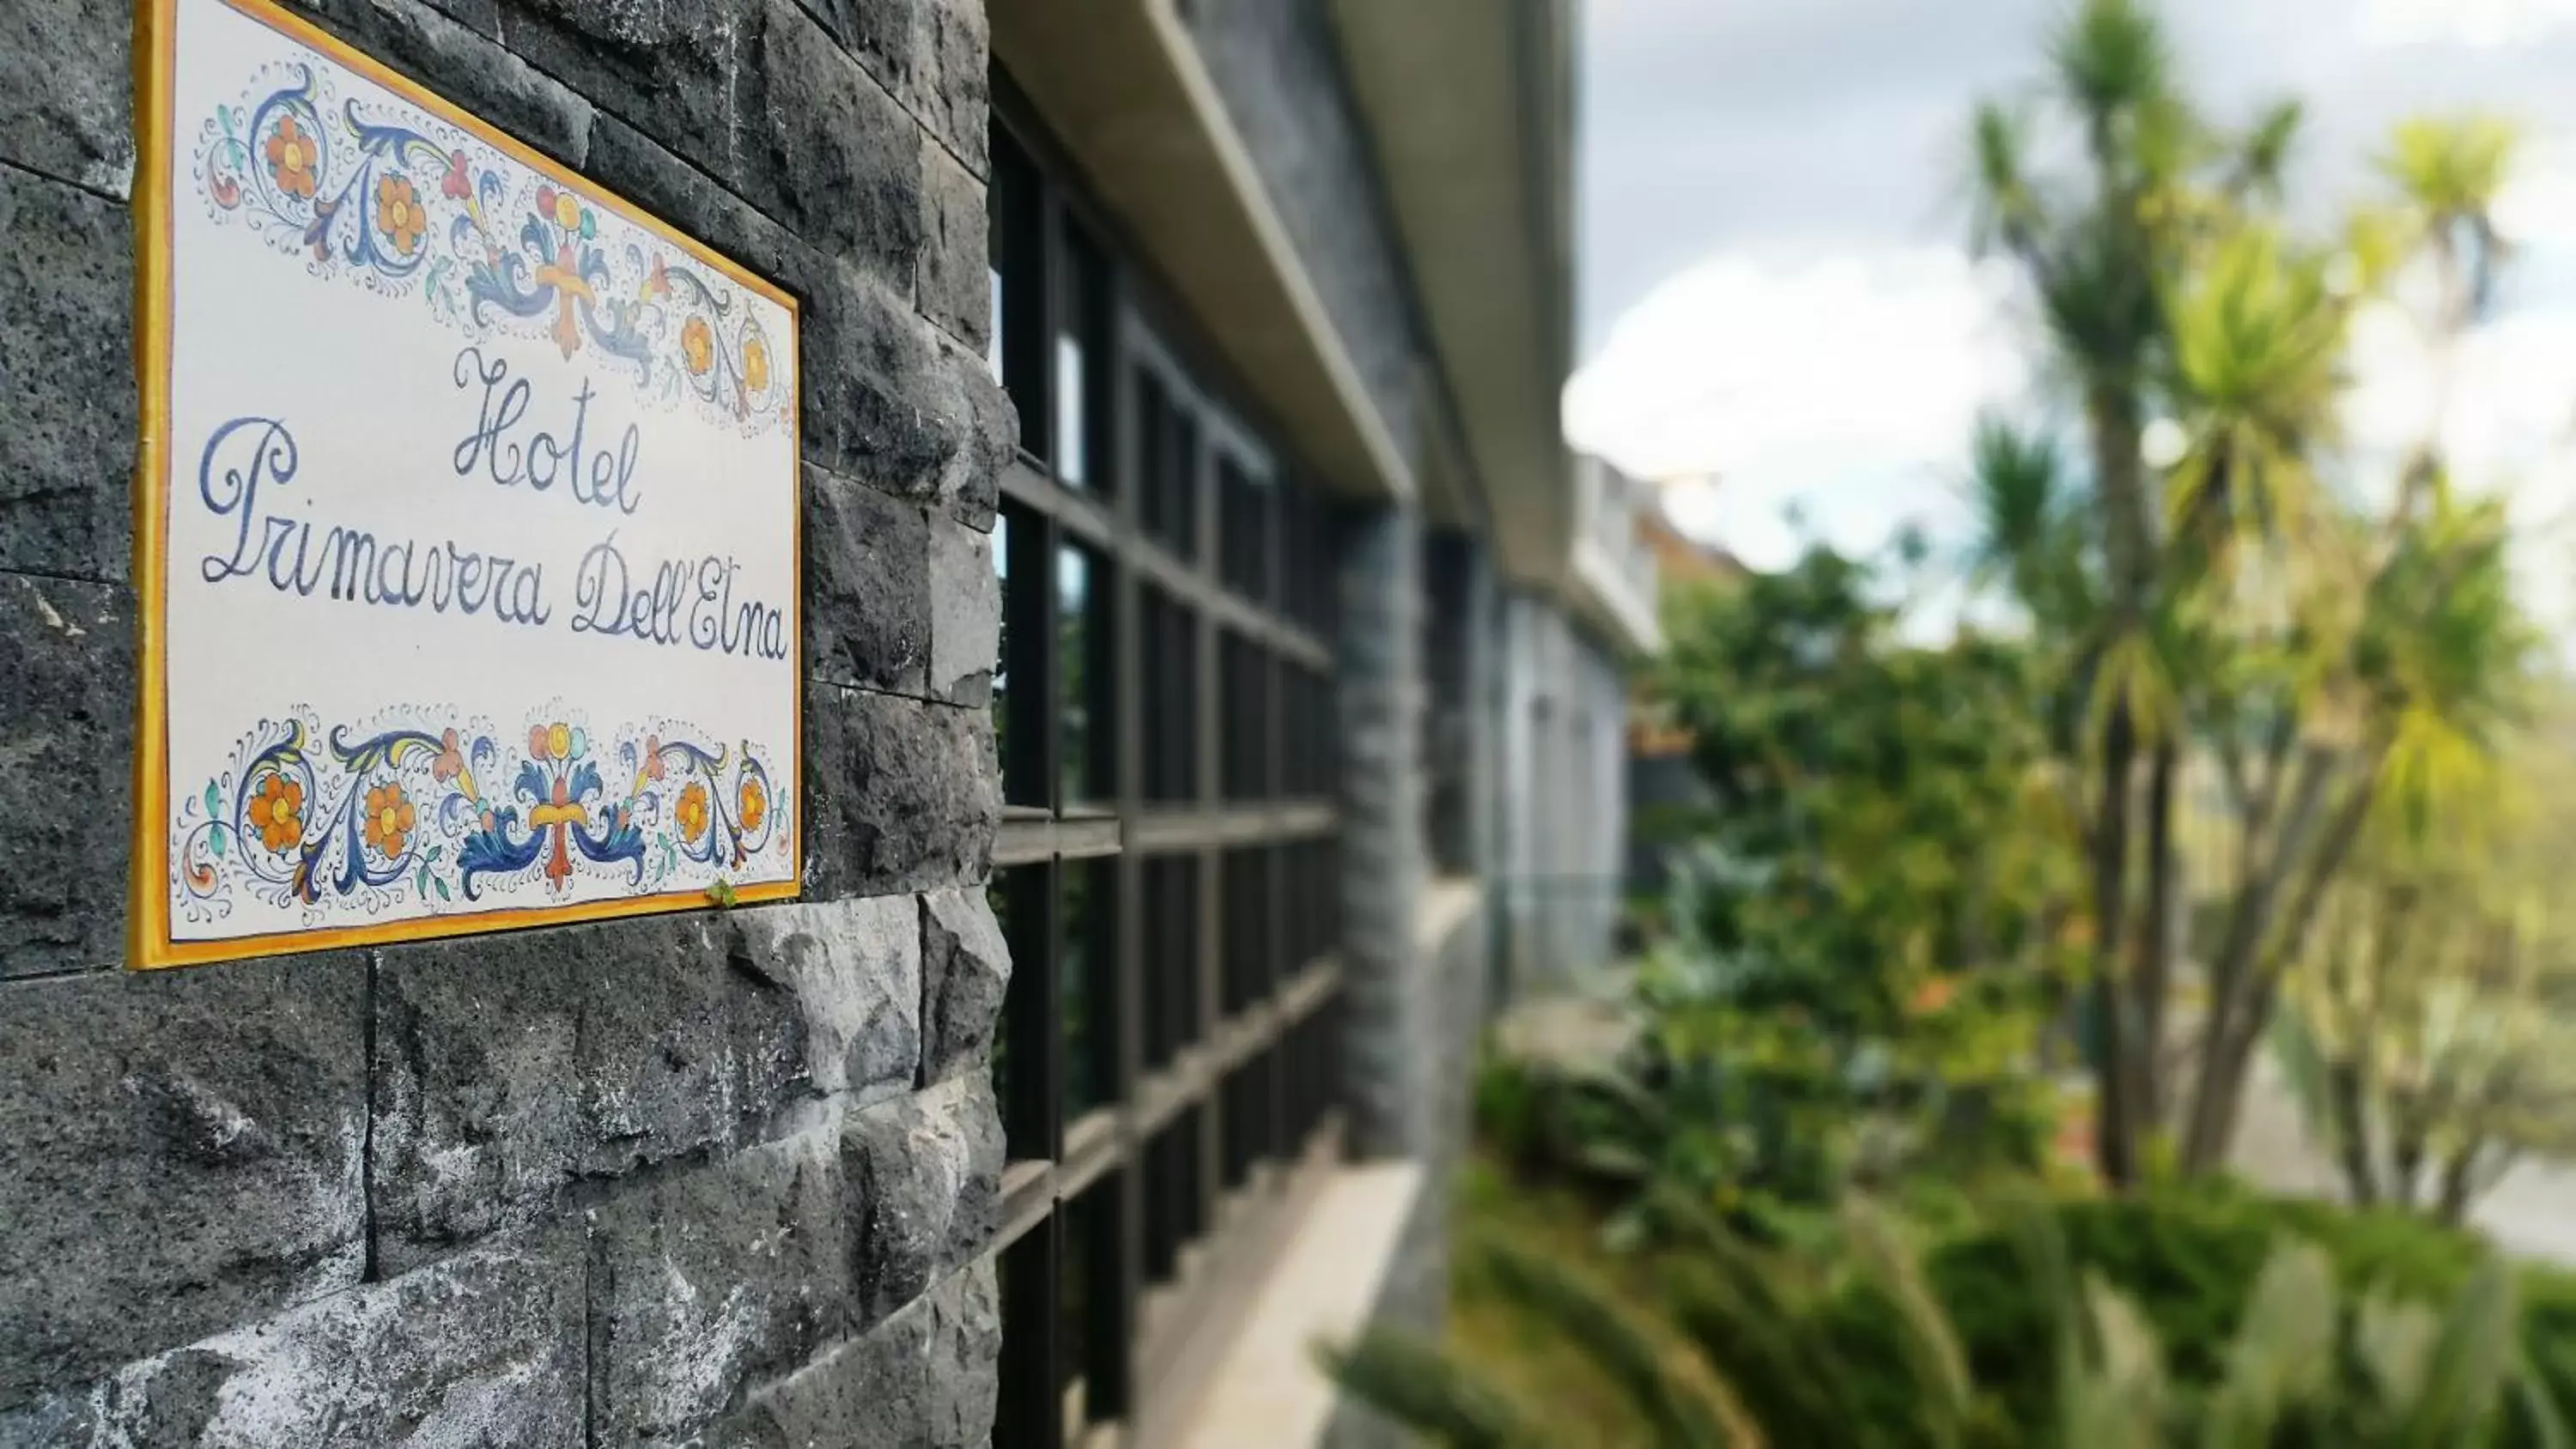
<point>149,945</point>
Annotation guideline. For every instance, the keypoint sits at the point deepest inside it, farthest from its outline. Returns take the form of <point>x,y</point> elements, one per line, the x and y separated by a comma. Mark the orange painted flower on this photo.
<point>451,758</point>
<point>653,757</point>
<point>538,735</point>
<point>755,365</point>
<point>291,158</point>
<point>277,812</point>
<point>398,214</point>
<point>698,345</point>
<point>693,811</point>
<point>389,820</point>
<point>755,805</point>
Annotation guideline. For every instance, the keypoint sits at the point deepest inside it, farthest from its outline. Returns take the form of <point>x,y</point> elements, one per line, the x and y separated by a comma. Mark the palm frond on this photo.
<point>2015,477</point>
<point>2111,60</point>
<point>1632,1351</point>
<point>2469,1361</point>
<point>2005,204</point>
<point>2283,1351</point>
<point>2258,342</point>
<point>1944,1392</point>
<point>2452,166</point>
<point>2263,152</point>
<point>1413,1382</point>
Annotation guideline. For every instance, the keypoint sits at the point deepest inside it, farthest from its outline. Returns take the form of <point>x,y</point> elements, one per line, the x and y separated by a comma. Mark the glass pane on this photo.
<point>1076,1005</point>
<point>1002,650</point>
<point>1078,647</point>
<point>1245,709</point>
<point>1169,947</point>
<point>1020,707</point>
<point>1244,528</point>
<point>1071,466</point>
<point>1018,351</point>
<point>1081,347</point>
<point>993,337</point>
<point>1170,698</point>
<point>1074,1311</point>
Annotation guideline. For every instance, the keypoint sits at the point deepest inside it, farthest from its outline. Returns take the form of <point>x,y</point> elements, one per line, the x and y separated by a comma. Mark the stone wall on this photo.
<point>720,1178</point>
<point>1279,70</point>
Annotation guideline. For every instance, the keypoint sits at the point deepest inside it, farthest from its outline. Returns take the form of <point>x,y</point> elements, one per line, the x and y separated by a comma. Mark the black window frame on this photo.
<point>1211,1047</point>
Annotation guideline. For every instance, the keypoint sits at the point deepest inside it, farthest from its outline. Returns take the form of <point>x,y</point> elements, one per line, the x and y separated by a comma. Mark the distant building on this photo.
<point>1664,786</point>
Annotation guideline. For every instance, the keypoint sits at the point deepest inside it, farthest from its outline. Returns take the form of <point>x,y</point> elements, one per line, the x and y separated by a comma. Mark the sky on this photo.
<point>1779,314</point>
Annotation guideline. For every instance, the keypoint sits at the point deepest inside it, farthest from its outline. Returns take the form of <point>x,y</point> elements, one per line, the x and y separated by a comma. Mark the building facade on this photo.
<point>1208,643</point>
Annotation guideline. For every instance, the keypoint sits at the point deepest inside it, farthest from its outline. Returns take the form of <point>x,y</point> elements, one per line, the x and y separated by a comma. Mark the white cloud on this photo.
<point>2478,24</point>
<point>1843,387</point>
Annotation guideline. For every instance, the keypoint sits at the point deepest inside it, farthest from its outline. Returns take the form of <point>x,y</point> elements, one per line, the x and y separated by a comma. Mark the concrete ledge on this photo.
<point>1447,904</point>
<point>1123,87</point>
<point>1267,1389</point>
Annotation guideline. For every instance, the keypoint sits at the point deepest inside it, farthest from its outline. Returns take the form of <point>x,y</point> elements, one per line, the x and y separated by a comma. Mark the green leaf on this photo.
<point>441,883</point>
<point>215,841</point>
<point>214,802</point>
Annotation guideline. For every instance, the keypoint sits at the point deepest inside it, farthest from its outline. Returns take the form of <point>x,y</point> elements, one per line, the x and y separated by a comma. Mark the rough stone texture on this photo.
<point>924,1174</point>
<point>954,283</point>
<point>1280,75</point>
<point>709,1279</point>
<point>855,968</point>
<point>508,1067</point>
<point>66,376</point>
<point>67,91</point>
<point>970,487</point>
<point>925,1378</point>
<point>1383,856</point>
<point>459,56</point>
<point>904,796</point>
<point>965,969</point>
<point>930,54</point>
<point>483,1349</point>
<point>965,614</point>
<point>638,1181</point>
<point>868,601</point>
<point>67,729</point>
<point>180,1152</point>
<point>755,93</point>
<point>888,400</point>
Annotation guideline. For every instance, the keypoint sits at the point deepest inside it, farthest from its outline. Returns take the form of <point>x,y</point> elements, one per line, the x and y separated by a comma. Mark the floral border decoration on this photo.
<point>396,200</point>
<point>412,817</point>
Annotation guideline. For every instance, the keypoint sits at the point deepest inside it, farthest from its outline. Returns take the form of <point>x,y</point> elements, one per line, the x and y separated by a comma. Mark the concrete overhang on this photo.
<point>1470,105</point>
<point>1122,87</point>
<point>1610,597</point>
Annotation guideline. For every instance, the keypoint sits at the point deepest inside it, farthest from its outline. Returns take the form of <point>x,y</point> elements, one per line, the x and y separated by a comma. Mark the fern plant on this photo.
<point>1734,1348</point>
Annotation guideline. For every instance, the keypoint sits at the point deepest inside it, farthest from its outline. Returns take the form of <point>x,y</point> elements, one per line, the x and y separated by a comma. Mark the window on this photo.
<point>1451,705</point>
<point>1165,870</point>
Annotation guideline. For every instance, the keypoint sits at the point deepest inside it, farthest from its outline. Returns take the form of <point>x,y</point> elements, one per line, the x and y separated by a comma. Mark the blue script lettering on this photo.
<point>603,478</point>
<point>612,597</point>
<point>354,564</point>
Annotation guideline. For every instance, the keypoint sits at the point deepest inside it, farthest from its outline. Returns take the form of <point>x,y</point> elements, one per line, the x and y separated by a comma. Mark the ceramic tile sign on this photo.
<point>468,548</point>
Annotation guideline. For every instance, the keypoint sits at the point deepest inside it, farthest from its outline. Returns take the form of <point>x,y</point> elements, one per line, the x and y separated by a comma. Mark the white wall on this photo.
<point>1563,796</point>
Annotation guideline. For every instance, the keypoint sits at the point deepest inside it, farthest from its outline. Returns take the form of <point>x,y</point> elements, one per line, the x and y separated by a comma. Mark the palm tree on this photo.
<point>2223,604</point>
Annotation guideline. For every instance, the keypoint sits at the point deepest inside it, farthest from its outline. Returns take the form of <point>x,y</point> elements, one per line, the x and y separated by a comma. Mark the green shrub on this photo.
<point>2189,1257</point>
